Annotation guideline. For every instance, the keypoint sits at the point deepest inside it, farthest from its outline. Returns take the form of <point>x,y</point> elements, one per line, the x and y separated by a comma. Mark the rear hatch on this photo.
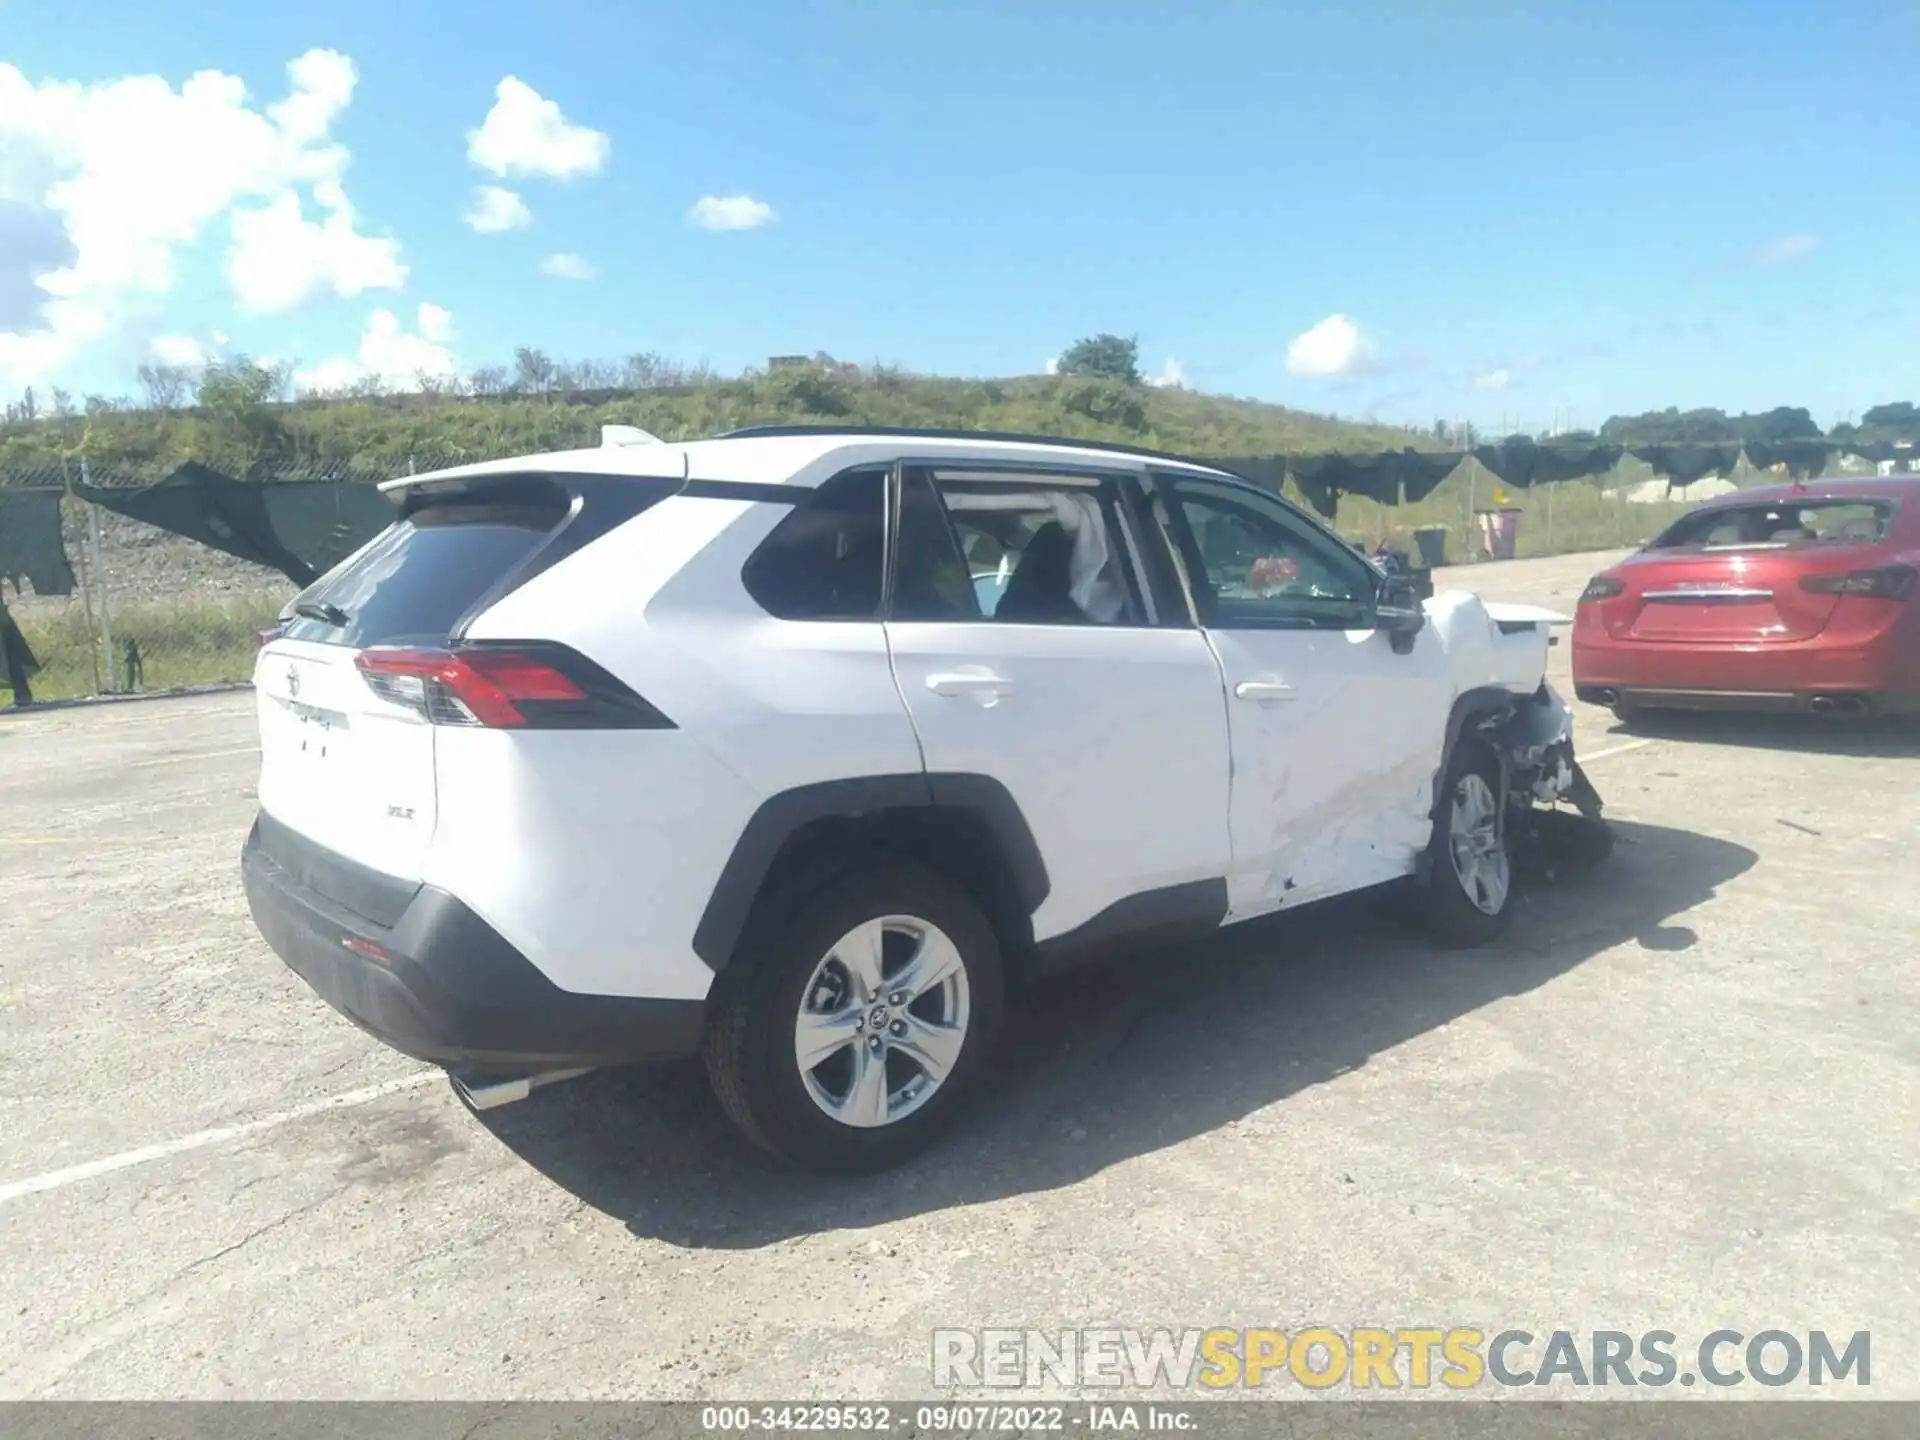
<point>347,766</point>
<point>1731,574</point>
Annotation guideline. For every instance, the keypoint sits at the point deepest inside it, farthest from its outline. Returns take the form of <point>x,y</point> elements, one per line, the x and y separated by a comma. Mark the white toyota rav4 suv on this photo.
<point>806,750</point>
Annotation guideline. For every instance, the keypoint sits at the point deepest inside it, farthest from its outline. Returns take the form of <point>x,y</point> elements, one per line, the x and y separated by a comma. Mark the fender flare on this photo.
<point>1483,702</point>
<point>981,798</point>
<point>1470,708</point>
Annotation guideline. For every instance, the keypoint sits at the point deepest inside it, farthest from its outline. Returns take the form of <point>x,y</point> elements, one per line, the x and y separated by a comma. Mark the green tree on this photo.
<point>1783,422</point>
<point>1896,421</point>
<point>533,372</point>
<point>238,400</point>
<point>1110,357</point>
<point>1106,401</point>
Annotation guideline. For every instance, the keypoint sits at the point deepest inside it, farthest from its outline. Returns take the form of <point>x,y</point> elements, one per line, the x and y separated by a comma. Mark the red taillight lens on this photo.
<point>505,688</point>
<point>266,637</point>
<point>1602,587</point>
<point>1883,582</point>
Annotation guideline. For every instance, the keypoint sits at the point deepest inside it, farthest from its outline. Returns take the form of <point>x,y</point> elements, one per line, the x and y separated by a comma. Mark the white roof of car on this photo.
<point>775,458</point>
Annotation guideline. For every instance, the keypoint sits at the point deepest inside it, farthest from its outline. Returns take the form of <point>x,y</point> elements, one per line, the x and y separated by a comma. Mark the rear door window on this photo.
<point>1034,549</point>
<point>1809,522</point>
<point>415,582</point>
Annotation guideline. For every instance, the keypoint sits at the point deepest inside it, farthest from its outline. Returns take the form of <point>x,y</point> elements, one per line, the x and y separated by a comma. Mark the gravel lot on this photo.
<point>1683,1094</point>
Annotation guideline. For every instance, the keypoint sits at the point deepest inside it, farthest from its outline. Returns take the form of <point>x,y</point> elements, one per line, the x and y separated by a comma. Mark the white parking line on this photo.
<point>93,1169</point>
<point>1611,750</point>
<point>74,1174</point>
<point>198,755</point>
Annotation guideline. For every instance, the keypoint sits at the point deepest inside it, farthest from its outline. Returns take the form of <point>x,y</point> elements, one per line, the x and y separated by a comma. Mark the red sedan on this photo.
<point>1793,597</point>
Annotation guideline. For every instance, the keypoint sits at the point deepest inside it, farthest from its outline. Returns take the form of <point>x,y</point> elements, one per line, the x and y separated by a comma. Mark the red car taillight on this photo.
<point>1883,582</point>
<point>1602,587</point>
<point>264,638</point>
<point>506,687</point>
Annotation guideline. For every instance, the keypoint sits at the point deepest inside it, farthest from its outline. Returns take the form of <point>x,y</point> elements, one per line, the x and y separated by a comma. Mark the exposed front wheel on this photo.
<point>1469,877</point>
<point>863,1017</point>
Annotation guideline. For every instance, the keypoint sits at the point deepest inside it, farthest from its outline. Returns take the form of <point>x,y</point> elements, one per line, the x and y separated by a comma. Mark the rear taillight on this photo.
<point>1883,582</point>
<point>1602,587</point>
<point>266,637</point>
<point>534,686</point>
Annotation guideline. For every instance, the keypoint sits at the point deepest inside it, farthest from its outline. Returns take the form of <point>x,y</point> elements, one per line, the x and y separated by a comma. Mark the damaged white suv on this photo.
<point>808,750</point>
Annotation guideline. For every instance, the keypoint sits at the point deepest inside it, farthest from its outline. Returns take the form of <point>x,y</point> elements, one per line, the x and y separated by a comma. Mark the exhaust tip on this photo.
<point>490,1092</point>
<point>1853,705</point>
<point>1606,695</point>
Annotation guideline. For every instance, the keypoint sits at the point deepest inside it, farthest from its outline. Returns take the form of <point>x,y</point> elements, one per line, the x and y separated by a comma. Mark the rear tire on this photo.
<point>1469,870</point>
<point>891,975</point>
<point>1625,714</point>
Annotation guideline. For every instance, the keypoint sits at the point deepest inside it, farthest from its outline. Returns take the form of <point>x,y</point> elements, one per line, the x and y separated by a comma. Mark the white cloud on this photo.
<point>280,257</point>
<point>133,171</point>
<point>525,134</point>
<point>1173,375</point>
<point>730,212</point>
<point>1785,250</point>
<point>564,266</point>
<point>436,324</point>
<point>1493,380</point>
<point>179,350</point>
<point>323,82</point>
<point>1053,365</point>
<point>390,353</point>
<point>1333,347</point>
<point>495,210</point>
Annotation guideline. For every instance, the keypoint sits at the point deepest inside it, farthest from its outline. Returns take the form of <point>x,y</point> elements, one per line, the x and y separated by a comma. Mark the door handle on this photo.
<point>979,684</point>
<point>1263,692</point>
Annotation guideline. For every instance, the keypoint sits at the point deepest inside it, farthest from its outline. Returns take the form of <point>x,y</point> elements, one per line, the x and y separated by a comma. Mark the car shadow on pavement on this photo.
<point>1116,1062</point>
<point>1893,737</point>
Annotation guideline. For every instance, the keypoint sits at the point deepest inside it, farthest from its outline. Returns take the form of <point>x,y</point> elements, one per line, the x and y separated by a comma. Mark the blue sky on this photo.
<point>1468,210</point>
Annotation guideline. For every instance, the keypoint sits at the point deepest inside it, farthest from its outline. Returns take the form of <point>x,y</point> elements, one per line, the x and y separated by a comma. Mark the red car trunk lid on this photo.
<point>1731,574</point>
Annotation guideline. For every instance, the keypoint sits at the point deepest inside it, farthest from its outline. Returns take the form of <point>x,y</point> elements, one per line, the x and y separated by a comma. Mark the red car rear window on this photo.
<point>1800,522</point>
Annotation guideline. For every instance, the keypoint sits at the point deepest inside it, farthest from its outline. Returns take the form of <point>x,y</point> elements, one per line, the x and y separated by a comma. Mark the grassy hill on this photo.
<point>388,433</point>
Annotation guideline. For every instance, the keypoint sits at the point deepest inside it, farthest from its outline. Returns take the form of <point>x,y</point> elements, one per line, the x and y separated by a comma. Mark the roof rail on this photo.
<point>753,432</point>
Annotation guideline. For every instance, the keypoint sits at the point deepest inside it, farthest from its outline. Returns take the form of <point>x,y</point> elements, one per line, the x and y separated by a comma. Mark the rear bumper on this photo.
<point>1869,674</point>
<point>442,985</point>
<point>1778,702</point>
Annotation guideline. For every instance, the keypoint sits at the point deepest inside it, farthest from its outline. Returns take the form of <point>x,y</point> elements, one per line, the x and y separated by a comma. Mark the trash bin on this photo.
<point>1432,542</point>
<point>1500,532</point>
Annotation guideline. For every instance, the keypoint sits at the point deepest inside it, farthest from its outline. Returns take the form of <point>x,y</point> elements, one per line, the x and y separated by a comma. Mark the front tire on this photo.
<point>858,1017</point>
<point>1469,871</point>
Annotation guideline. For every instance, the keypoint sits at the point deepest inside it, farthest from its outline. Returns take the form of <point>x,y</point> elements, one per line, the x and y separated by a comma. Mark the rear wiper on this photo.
<point>319,610</point>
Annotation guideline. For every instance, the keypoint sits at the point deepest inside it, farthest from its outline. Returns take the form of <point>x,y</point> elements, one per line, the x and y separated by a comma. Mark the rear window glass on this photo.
<point>1809,522</point>
<point>415,582</point>
<point>825,560</point>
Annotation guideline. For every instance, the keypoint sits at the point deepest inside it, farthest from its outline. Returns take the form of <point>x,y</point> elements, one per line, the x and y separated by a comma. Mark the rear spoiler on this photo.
<point>533,465</point>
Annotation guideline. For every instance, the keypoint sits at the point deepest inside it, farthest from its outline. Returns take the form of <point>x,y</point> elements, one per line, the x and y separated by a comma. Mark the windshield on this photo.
<point>1802,522</point>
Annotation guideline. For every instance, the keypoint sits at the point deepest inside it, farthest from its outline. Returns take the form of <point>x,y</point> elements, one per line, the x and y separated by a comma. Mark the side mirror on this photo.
<point>1399,613</point>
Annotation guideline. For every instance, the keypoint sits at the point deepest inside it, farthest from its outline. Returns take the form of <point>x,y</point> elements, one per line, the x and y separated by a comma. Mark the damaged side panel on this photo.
<point>1334,741</point>
<point>1338,746</point>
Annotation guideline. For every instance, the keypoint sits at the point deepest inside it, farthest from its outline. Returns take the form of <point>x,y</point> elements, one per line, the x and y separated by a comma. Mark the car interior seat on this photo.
<point>1041,587</point>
